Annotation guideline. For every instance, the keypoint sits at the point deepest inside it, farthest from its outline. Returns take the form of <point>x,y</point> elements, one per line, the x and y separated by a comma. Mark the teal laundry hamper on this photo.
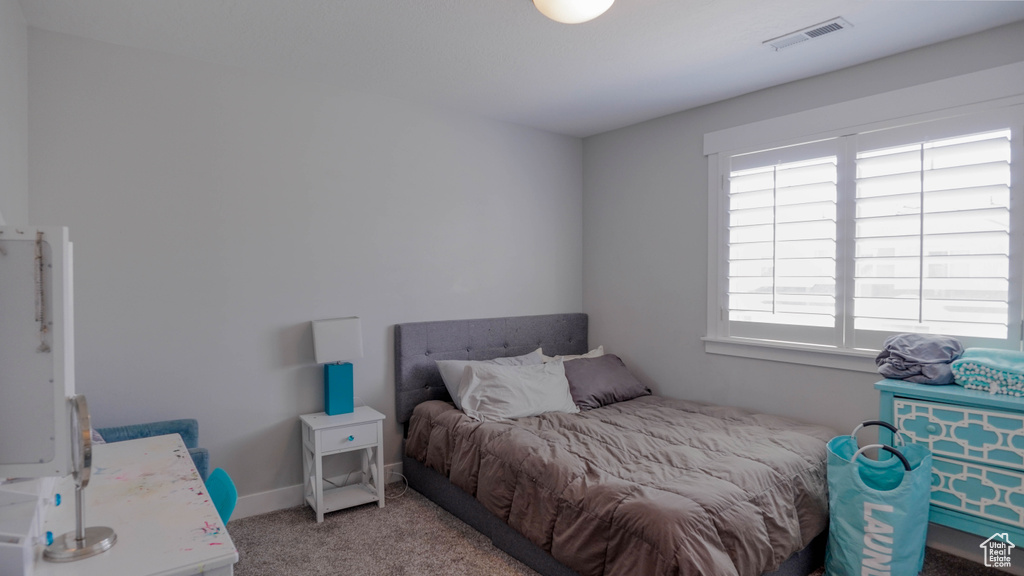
<point>878,509</point>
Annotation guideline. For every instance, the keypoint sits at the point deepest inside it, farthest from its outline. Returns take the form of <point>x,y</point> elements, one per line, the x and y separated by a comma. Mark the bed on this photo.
<point>645,486</point>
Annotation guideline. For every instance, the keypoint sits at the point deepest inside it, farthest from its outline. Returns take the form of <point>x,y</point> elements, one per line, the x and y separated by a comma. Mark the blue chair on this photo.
<point>187,428</point>
<point>223,493</point>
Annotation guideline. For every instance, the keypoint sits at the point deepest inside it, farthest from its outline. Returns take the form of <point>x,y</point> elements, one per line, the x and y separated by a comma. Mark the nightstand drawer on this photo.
<point>963,432</point>
<point>978,490</point>
<point>349,437</point>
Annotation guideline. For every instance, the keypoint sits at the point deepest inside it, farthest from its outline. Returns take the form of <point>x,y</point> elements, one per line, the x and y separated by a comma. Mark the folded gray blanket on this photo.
<point>920,358</point>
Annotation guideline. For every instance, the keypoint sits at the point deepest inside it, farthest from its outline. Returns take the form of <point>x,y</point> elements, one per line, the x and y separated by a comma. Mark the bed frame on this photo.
<point>418,345</point>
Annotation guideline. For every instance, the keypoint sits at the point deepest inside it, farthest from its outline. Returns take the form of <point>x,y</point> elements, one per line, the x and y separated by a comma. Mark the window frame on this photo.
<point>865,116</point>
<point>937,130</point>
<point>788,154</point>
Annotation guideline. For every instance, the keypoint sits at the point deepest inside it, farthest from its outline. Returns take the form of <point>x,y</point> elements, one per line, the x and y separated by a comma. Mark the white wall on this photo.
<point>215,212</point>
<point>645,232</point>
<point>13,114</point>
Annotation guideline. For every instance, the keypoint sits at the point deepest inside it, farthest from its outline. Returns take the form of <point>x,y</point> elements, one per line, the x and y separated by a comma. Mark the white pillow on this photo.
<point>599,351</point>
<point>451,370</point>
<point>491,392</point>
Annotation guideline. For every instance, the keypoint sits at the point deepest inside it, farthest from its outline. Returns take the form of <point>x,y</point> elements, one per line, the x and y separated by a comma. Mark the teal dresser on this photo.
<point>977,443</point>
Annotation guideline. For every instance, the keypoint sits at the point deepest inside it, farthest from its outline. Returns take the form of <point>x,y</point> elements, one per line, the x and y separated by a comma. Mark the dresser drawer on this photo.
<point>978,490</point>
<point>963,432</point>
<point>349,437</point>
<point>977,444</point>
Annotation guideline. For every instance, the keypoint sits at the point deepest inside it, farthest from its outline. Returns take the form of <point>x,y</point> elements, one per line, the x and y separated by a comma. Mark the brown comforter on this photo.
<point>652,486</point>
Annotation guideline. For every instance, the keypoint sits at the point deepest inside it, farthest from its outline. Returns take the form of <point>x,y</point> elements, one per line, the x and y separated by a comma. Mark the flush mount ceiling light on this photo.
<point>572,11</point>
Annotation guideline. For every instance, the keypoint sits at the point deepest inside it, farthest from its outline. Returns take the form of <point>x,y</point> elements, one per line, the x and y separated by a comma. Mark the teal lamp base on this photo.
<point>338,389</point>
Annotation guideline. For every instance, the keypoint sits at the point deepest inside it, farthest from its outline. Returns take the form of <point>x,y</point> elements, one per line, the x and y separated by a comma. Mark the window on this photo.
<point>840,242</point>
<point>932,237</point>
<point>782,244</point>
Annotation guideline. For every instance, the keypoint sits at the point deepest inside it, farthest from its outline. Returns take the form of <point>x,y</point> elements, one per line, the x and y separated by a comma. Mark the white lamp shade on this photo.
<point>572,11</point>
<point>337,340</point>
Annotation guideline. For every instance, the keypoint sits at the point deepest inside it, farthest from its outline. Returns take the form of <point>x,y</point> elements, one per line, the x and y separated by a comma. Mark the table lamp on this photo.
<point>335,342</point>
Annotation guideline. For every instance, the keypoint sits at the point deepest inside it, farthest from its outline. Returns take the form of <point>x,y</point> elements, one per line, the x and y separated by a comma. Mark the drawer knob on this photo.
<point>351,438</point>
<point>932,428</point>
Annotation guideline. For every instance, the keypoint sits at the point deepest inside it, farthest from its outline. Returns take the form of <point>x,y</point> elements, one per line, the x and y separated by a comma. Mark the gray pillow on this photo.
<point>594,382</point>
<point>452,370</point>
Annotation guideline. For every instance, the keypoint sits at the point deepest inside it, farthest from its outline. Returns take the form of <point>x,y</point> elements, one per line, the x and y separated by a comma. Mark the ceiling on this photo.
<point>502,59</point>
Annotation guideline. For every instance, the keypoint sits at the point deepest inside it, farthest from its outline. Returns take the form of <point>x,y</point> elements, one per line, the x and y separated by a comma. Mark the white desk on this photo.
<point>149,492</point>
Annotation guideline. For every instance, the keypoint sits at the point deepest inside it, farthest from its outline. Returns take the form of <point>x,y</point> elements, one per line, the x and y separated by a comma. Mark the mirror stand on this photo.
<point>83,542</point>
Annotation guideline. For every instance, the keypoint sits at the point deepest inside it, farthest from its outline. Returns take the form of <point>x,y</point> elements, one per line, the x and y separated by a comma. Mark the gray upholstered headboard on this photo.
<point>419,344</point>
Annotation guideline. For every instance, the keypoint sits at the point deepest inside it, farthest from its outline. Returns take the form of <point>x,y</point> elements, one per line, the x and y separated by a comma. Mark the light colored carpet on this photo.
<point>410,536</point>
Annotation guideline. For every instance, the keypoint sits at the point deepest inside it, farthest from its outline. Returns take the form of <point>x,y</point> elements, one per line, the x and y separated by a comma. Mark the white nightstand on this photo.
<point>324,435</point>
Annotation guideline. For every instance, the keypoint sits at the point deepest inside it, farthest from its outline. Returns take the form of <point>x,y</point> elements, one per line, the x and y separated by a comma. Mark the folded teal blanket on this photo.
<point>991,369</point>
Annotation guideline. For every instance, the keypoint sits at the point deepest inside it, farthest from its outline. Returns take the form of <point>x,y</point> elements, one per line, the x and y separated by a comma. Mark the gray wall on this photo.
<point>215,212</point>
<point>13,114</point>
<point>645,230</point>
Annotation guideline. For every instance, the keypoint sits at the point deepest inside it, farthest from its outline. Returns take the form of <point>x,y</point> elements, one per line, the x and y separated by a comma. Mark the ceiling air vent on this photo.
<point>810,33</point>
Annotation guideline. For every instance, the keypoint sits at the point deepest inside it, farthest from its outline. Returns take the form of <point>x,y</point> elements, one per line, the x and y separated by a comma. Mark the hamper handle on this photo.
<point>903,459</point>
<point>895,431</point>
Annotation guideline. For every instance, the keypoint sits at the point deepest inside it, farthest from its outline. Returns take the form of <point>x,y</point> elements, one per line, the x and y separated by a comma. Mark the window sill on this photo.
<point>854,360</point>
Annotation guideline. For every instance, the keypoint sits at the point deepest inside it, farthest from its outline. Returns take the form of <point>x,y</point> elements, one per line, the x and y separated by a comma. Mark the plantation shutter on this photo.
<point>932,238</point>
<point>835,244</point>
<point>781,243</point>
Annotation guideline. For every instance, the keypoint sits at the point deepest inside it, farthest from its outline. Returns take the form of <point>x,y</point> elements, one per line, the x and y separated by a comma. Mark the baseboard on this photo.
<point>290,496</point>
<point>269,501</point>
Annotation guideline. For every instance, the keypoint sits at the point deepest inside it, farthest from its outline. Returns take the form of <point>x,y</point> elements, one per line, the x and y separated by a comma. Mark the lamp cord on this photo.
<point>344,482</point>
